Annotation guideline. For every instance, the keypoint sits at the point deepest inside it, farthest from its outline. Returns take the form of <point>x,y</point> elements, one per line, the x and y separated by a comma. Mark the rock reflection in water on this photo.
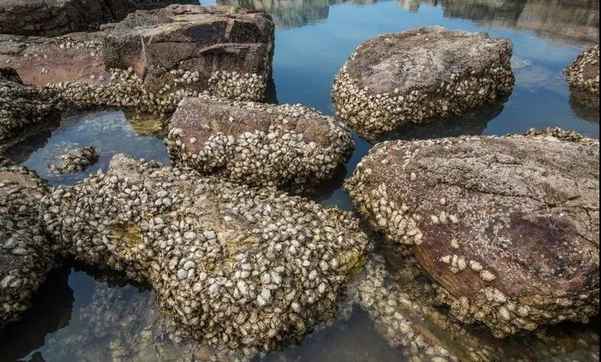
<point>110,132</point>
<point>557,19</point>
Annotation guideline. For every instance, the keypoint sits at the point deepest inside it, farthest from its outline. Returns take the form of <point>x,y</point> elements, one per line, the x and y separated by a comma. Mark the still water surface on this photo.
<point>313,39</point>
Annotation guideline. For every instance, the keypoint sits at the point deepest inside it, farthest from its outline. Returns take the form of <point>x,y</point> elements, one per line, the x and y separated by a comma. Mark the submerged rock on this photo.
<point>258,144</point>
<point>152,59</point>
<point>507,226</point>
<point>401,299</point>
<point>51,17</point>
<point>75,160</point>
<point>420,75</point>
<point>23,108</point>
<point>236,267</point>
<point>24,249</point>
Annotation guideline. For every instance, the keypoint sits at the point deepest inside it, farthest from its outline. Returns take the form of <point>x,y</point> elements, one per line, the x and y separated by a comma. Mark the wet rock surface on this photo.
<point>54,17</point>
<point>258,144</point>
<point>74,160</point>
<point>152,59</point>
<point>24,251</point>
<point>401,299</point>
<point>236,267</point>
<point>420,75</point>
<point>23,108</point>
<point>507,226</point>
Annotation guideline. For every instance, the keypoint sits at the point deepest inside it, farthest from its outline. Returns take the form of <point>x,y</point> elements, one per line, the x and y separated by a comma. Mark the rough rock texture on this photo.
<point>59,17</point>
<point>583,73</point>
<point>258,144</point>
<point>401,299</point>
<point>583,78</point>
<point>75,160</point>
<point>152,59</point>
<point>24,253</point>
<point>22,107</point>
<point>507,226</point>
<point>420,75</point>
<point>235,266</point>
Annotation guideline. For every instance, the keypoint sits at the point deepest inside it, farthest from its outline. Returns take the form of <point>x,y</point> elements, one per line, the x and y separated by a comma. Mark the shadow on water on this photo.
<point>51,312</point>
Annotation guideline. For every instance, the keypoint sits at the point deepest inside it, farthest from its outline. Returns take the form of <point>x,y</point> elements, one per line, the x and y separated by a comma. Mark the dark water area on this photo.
<point>313,40</point>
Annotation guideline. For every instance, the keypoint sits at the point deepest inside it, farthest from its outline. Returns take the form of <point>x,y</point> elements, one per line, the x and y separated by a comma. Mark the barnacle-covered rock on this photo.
<point>152,59</point>
<point>24,249</point>
<point>51,17</point>
<point>23,108</point>
<point>75,160</point>
<point>258,144</point>
<point>402,301</point>
<point>235,266</point>
<point>583,78</point>
<point>420,75</point>
<point>507,226</point>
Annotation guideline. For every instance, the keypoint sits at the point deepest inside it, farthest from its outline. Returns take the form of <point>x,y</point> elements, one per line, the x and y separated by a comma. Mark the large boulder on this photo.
<point>24,249</point>
<point>21,107</point>
<point>507,226</point>
<point>235,266</point>
<point>420,75</point>
<point>54,17</point>
<point>152,58</point>
<point>258,144</point>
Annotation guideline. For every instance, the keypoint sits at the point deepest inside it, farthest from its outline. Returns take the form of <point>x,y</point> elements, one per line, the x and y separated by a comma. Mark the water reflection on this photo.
<point>558,19</point>
<point>110,132</point>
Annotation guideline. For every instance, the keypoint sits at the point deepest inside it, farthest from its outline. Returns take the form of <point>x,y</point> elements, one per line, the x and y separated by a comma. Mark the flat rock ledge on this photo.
<point>420,75</point>
<point>24,253</point>
<point>53,18</point>
<point>258,144</point>
<point>23,107</point>
<point>234,266</point>
<point>152,59</point>
<point>508,227</point>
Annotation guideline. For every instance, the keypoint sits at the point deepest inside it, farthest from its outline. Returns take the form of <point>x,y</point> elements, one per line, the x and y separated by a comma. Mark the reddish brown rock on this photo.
<point>152,58</point>
<point>508,227</point>
<point>56,17</point>
<point>258,144</point>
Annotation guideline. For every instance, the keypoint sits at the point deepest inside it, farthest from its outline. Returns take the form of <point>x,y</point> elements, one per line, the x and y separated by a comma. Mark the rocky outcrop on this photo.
<point>24,251</point>
<point>236,267</point>
<point>152,59</point>
<point>258,144</point>
<point>508,227</point>
<point>23,107</point>
<point>74,160</point>
<point>420,75</point>
<point>54,17</point>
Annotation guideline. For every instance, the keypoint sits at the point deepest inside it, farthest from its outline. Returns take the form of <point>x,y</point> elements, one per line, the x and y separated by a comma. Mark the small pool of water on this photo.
<point>313,39</point>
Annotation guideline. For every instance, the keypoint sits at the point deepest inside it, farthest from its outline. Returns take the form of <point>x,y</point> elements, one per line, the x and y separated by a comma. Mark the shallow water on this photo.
<point>313,40</point>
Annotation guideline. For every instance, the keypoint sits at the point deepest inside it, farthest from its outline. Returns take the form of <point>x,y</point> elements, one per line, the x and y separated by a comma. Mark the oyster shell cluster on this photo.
<point>25,255</point>
<point>74,160</point>
<point>419,75</point>
<point>235,266</point>
<point>258,144</point>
